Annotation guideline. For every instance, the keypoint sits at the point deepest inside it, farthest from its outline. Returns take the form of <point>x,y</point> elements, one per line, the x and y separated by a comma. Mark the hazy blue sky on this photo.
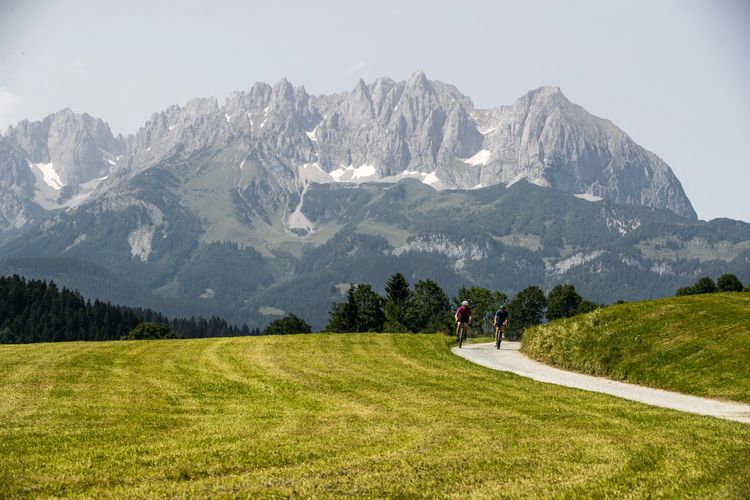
<point>673,74</point>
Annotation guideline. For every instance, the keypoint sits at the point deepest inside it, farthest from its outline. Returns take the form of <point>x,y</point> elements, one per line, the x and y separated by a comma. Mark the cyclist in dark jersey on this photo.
<point>463,315</point>
<point>501,322</point>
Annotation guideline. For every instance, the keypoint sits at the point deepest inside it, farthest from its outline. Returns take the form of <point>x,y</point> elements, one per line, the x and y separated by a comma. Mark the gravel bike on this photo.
<point>463,332</point>
<point>500,334</point>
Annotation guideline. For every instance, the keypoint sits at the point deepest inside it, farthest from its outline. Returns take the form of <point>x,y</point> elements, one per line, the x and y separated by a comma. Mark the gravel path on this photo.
<point>509,359</point>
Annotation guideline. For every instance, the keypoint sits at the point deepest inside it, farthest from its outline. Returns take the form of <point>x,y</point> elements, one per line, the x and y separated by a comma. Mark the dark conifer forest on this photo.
<point>40,311</point>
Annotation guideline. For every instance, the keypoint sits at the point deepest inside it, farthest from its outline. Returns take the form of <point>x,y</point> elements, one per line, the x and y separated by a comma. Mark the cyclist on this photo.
<point>501,322</point>
<point>463,316</point>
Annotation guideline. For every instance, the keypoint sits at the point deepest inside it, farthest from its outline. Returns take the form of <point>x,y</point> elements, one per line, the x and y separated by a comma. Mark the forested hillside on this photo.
<point>39,311</point>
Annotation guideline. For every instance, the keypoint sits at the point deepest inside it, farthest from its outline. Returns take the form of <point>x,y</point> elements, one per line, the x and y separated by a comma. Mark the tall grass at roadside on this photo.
<point>697,344</point>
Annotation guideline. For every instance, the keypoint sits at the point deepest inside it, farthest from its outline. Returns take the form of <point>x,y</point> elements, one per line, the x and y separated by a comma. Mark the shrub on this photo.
<point>705,285</point>
<point>428,309</point>
<point>563,302</point>
<point>526,309</point>
<point>362,311</point>
<point>288,324</point>
<point>729,283</point>
<point>150,331</point>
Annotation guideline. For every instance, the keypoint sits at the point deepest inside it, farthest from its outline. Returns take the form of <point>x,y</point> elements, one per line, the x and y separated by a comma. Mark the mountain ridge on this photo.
<point>383,131</point>
<point>276,200</point>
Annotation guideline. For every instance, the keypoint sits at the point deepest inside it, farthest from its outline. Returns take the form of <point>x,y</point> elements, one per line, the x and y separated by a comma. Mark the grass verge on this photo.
<point>698,344</point>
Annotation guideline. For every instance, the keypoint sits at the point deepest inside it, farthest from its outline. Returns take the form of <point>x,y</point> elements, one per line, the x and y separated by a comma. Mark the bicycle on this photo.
<point>462,332</point>
<point>500,334</point>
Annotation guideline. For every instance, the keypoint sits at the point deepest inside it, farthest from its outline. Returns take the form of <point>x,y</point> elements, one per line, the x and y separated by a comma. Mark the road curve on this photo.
<point>509,359</point>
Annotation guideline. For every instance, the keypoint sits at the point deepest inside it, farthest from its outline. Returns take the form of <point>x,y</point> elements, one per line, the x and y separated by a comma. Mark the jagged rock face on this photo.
<point>388,130</point>
<point>549,141</point>
<point>80,147</point>
<point>17,210</point>
<point>58,162</point>
<point>272,142</point>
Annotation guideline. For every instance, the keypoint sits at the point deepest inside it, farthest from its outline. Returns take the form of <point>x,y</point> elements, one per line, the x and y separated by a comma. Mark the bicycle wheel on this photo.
<point>499,338</point>
<point>461,334</point>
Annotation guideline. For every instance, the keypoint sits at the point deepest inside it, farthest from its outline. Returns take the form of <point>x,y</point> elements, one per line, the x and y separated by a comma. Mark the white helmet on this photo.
<point>465,303</point>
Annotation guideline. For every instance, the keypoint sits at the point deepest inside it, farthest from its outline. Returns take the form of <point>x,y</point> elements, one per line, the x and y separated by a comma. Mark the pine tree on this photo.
<point>729,283</point>
<point>563,302</point>
<point>526,308</point>
<point>428,309</point>
<point>397,296</point>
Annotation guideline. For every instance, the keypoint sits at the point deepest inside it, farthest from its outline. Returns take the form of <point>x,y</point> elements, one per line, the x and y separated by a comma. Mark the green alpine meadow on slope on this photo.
<point>697,344</point>
<point>335,415</point>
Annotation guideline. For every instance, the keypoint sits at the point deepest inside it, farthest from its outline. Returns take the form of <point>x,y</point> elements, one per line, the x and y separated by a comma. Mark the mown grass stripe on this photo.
<point>336,415</point>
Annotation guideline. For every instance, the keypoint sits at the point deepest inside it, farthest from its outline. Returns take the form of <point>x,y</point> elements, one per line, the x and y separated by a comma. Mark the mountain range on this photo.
<point>276,200</point>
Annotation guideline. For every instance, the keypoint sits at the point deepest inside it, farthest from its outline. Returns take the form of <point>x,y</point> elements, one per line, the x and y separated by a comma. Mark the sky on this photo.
<point>674,75</point>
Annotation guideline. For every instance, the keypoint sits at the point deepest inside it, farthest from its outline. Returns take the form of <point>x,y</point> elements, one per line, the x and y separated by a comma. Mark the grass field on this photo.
<point>698,344</point>
<point>335,415</point>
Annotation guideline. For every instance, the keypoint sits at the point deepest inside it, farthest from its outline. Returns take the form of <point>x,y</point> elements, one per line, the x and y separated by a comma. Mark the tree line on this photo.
<point>727,282</point>
<point>40,311</point>
<point>426,308</point>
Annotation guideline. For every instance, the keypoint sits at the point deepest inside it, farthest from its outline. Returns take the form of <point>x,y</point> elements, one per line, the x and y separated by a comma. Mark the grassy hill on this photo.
<point>334,415</point>
<point>697,344</point>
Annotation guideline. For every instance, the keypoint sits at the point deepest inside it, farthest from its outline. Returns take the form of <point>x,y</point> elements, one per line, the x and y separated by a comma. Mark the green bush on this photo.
<point>563,302</point>
<point>288,324</point>
<point>526,309</point>
<point>705,285</point>
<point>729,283</point>
<point>150,331</point>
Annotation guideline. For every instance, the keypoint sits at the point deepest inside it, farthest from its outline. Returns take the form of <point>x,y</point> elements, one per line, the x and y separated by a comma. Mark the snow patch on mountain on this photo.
<point>480,158</point>
<point>432,180</point>
<point>311,172</point>
<point>47,185</point>
<point>589,197</point>
<point>350,173</point>
<point>563,266</point>
<point>311,134</point>
<point>49,175</point>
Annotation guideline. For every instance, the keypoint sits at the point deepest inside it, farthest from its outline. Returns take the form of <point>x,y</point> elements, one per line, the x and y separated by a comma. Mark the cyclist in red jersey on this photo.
<point>463,315</point>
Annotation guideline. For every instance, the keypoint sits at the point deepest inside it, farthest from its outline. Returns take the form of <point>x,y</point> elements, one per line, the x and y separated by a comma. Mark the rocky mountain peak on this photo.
<point>78,146</point>
<point>283,91</point>
<point>545,98</point>
<point>384,131</point>
<point>202,106</point>
<point>418,80</point>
